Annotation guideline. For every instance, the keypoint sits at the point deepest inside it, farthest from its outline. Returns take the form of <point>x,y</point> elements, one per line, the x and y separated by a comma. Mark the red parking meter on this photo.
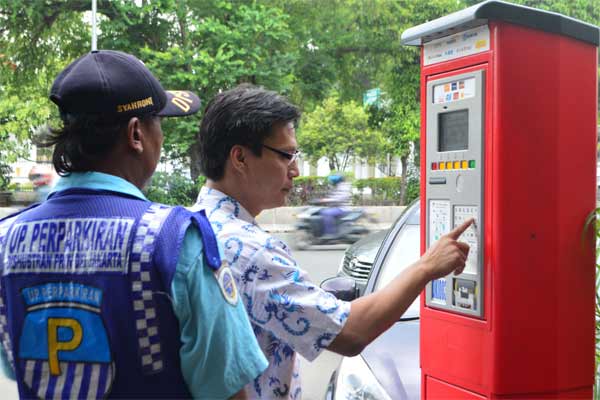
<point>508,136</point>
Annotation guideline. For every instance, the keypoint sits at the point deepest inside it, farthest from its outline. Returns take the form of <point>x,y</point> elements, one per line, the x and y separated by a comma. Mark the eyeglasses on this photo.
<point>291,157</point>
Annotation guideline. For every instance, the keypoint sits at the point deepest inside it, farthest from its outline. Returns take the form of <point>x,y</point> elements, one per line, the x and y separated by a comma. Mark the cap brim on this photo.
<point>180,103</point>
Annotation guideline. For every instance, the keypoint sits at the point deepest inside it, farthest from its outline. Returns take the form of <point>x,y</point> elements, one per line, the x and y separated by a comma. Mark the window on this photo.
<point>404,251</point>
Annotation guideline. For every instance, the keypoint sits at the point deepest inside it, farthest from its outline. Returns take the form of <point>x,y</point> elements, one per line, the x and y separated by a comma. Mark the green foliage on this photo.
<point>4,176</point>
<point>203,45</point>
<point>19,115</point>
<point>307,188</point>
<point>21,187</point>
<point>593,220</point>
<point>200,181</point>
<point>597,365</point>
<point>384,191</point>
<point>173,188</point>
<point>340,132</point>
<point>215,47</point>
<point>306,49</point>
<point>34,42</point>
<point>413,189</point>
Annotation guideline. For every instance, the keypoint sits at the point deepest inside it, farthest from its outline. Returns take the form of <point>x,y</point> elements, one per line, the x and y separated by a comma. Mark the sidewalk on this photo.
<point>282,219</point>
<point>4,211</point>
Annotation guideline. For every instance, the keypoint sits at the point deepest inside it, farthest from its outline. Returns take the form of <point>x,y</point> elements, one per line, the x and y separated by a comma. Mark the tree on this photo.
<point>339,131</point>
<point>303,48</point>
<point>203,45</point>
<point>215,51</point>
<point>399,124</point>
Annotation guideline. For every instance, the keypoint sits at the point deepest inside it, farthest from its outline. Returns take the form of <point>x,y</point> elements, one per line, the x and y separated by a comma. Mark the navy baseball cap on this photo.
<point>113,83</point>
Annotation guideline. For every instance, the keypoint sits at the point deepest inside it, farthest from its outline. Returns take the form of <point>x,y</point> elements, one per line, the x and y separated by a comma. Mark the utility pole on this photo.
<point>94,33</point>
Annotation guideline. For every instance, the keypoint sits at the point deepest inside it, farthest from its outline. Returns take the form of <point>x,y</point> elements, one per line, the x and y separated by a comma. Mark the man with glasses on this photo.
<point>248,152</point>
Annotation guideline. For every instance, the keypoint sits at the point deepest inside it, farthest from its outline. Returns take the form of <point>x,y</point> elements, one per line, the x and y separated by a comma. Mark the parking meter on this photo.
<point>508,137</point>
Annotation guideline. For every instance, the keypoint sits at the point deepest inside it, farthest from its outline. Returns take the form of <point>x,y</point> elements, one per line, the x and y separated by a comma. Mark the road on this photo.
<point>320,263</point>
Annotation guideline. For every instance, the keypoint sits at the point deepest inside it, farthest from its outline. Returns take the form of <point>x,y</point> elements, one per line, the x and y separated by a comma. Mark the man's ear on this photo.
<point>237,156</point>
<point>135,135</point>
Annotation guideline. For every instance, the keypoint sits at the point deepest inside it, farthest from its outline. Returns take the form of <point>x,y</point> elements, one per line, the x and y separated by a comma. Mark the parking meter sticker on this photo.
<point>439,219</point>
<point>438,291</point>
<point>64,348</point>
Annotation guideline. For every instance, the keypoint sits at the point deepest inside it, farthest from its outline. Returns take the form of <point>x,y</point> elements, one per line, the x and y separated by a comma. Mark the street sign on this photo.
<point>371,96</point>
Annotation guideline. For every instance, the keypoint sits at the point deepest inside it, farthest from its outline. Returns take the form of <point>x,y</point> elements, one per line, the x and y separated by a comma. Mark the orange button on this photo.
<point>464,164</point>
<point>456,164</point>
<point>448,164</point>
<point>442,165</point>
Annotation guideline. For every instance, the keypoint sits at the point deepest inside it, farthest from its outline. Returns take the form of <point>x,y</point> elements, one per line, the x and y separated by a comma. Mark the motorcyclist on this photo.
<point>339,196</point>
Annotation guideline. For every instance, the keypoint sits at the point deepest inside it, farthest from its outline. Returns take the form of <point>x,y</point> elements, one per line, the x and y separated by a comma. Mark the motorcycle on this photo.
<point>309,228</point>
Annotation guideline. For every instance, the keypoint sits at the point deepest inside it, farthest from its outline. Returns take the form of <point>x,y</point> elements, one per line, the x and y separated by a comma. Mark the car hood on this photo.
<point>394,360</point>
<point>366,248</point>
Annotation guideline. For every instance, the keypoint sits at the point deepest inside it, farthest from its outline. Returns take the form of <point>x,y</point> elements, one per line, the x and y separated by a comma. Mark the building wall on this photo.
<point>360,169</point>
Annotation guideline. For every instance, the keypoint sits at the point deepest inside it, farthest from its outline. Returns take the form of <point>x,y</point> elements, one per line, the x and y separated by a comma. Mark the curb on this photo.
<point>288,228</point>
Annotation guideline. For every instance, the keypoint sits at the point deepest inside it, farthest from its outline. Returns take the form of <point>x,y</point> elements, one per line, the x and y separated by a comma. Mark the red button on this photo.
<point>434,166</point>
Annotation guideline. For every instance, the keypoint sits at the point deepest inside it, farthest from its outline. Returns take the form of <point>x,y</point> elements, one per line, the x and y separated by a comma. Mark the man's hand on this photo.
<point>447,254</point>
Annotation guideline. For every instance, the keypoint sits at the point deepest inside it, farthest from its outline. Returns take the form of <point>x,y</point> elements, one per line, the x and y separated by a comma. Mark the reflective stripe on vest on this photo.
<point>143,303</point>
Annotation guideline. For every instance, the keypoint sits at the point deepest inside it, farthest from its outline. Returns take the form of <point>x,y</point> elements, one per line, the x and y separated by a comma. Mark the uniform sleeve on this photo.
<point>219,353</point>
<point>280,298</point>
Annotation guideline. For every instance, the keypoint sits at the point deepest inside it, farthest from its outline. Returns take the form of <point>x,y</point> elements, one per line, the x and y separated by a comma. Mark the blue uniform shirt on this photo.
<point>219,353</point>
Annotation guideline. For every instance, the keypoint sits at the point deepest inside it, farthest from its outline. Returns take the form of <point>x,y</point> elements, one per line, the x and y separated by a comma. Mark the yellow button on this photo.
<point>464,165</point>
<point>456,164</point>
<point>442,165</point>
<point>448,164</point>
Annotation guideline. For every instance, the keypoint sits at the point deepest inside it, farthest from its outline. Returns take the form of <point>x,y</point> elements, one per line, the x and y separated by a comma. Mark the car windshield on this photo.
<point>404,251</point>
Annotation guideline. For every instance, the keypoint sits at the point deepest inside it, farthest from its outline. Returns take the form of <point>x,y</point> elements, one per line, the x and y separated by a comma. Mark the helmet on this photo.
<point>334,179</point>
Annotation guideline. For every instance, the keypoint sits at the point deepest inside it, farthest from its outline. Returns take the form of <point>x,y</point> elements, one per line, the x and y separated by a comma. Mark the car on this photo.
<point>359,257</point>
<point>388,368</point>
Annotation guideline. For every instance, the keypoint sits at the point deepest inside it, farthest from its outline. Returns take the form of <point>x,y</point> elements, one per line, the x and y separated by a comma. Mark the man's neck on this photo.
<point>122,164</point>
<point>234,190</point>
<point>122,173</point>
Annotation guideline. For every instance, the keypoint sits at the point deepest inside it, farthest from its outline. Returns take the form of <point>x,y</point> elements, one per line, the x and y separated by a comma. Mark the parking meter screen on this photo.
<point>453,131</point>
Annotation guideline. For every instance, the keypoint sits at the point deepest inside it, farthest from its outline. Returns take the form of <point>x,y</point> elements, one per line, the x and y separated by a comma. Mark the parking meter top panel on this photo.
<point>480,14</point>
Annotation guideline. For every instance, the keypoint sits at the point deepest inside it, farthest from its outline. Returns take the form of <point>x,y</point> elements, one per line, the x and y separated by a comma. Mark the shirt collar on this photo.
<point>97,181</point>
<point>211,200</point>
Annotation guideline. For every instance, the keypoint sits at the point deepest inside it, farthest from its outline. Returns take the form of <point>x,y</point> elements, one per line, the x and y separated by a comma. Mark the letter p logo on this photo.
<point>55,345</point>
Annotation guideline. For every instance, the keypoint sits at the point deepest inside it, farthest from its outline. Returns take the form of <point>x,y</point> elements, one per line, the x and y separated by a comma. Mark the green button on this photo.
<point>471,163</point>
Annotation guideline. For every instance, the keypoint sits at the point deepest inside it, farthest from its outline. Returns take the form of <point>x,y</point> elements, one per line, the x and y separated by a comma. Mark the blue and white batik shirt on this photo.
<point>287,311</point>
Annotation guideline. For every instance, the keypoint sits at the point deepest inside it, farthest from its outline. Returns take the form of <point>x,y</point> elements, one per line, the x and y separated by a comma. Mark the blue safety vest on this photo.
<point>85,309</point>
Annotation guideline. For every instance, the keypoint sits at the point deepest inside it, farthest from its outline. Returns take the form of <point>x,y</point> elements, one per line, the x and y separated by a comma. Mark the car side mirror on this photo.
<point>341,287</point>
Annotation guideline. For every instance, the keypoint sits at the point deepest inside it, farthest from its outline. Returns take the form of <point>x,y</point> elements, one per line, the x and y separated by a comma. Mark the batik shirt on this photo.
<point>288,312</point>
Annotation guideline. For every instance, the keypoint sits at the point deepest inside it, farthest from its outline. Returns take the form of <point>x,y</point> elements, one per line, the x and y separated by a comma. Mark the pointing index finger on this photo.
<point>456,232</point>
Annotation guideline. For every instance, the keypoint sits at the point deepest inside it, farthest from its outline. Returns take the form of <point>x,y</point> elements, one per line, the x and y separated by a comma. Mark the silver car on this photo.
<point>359,257</point>
<point>388,368</point>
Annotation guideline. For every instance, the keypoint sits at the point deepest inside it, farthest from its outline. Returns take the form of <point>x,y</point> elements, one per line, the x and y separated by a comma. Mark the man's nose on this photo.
<point>294,170</point>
